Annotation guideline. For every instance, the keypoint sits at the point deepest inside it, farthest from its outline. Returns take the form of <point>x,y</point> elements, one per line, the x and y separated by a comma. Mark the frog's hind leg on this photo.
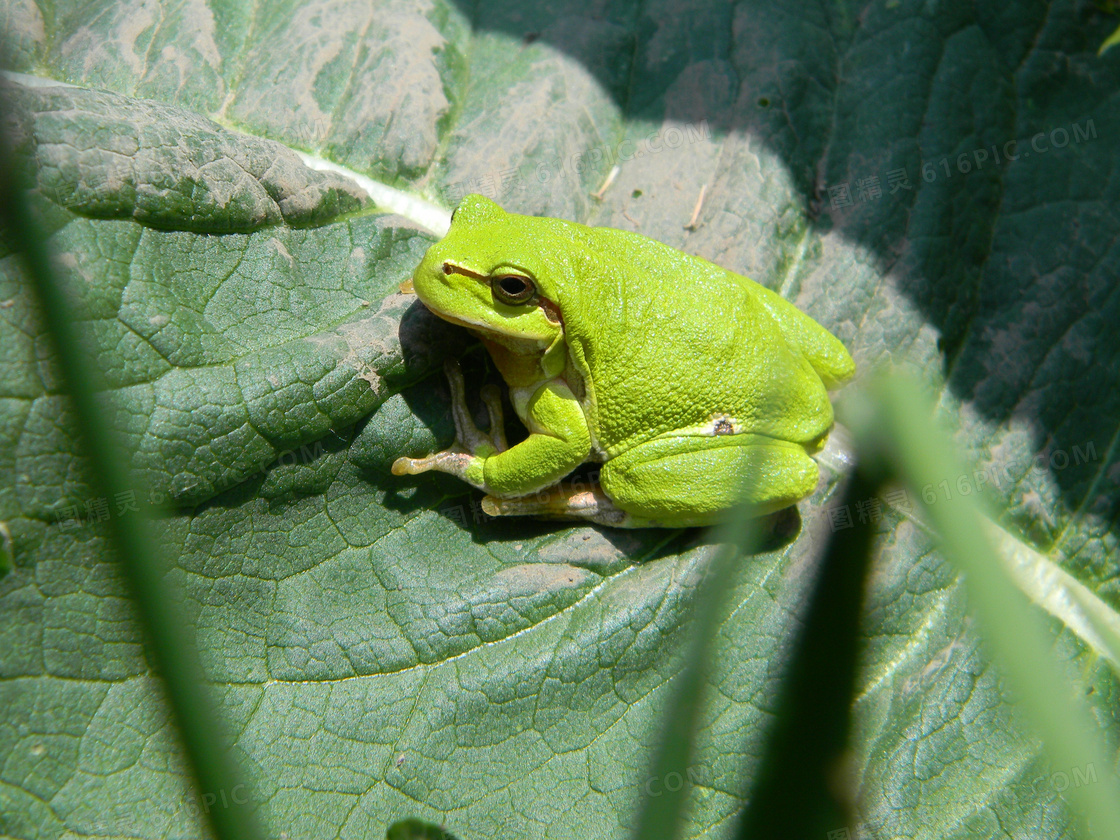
<point>566,500</point>
<point>686,480</point>
<point>678,482</point>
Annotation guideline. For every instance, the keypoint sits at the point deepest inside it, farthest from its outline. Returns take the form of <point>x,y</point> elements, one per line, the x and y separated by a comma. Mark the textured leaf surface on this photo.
<point>937,185</point>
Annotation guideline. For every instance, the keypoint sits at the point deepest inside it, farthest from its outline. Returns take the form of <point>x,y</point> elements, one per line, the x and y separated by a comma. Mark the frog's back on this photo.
<point>667,341</point>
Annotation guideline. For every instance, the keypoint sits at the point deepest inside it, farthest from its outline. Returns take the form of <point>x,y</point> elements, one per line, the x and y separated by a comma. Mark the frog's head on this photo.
<point>494,272</point>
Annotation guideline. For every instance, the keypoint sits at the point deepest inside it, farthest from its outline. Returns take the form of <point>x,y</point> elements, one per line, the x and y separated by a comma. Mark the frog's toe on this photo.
<point>467,435</point>
<point>563,501</point>
<point>492,398</point>
<point>465,429</point>
<point>449,461</point>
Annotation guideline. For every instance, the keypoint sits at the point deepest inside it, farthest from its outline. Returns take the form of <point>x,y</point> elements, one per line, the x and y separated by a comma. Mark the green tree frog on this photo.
<point>697,389</point>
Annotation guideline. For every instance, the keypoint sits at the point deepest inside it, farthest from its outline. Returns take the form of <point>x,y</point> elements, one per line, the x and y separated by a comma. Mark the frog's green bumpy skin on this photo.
<point>696,388</point>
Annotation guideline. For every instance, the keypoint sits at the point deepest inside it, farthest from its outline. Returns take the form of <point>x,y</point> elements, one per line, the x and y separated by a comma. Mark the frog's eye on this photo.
<point>512,289</point>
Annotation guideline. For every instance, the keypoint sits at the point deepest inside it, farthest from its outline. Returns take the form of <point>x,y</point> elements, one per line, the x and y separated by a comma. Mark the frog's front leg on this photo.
<point>471,443</point>
<point>558,442</point>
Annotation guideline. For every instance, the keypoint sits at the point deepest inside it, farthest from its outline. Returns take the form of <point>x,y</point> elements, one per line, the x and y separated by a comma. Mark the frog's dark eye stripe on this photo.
<point>512,289</point>
<point>451,268</point>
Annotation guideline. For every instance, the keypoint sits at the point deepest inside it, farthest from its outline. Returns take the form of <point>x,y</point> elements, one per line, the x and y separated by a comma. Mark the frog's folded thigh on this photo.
<point>689,480</point>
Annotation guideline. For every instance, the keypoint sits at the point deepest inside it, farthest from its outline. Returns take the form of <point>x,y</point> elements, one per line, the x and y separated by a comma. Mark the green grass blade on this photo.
<point>5,549</point>
<point>893,421</point>
<point>171,639</point>
<point>802,787</point>
<point>661,811</point>
<point>1111,41</point>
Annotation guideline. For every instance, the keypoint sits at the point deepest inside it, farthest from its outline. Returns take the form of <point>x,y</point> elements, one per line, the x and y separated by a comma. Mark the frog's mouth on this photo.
<point>459,322</point>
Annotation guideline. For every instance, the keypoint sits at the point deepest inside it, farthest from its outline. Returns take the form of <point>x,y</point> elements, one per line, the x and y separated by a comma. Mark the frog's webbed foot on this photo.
<point>464,457</point>
<point>572,500</point>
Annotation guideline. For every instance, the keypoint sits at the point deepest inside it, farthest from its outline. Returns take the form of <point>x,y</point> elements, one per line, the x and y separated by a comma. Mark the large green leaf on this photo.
<point>382,650</point>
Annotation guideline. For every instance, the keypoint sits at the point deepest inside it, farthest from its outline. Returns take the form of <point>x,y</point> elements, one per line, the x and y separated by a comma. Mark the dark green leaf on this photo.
<point>381,653</point>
